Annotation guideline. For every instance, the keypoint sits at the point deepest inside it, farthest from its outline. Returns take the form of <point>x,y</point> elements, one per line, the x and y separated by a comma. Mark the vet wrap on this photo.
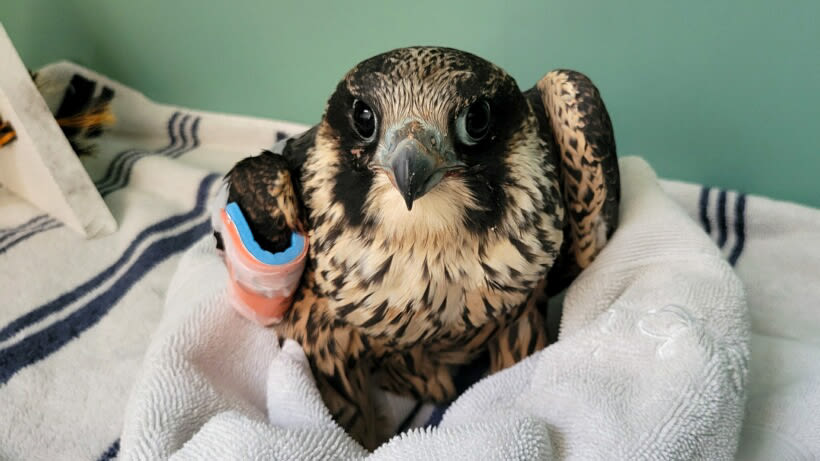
<point>262,283</point>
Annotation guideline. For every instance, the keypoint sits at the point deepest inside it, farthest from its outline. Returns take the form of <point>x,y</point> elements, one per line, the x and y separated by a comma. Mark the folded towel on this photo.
<point>651,362</point>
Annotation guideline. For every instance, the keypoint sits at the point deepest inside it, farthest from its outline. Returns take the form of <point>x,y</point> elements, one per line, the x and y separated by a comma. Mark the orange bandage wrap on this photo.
<point>261,283</point>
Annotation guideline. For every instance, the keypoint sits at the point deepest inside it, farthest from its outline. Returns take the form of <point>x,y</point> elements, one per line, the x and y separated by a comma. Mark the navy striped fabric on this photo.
<point>26,232</point>
<point>10,231</point>
<point>721,239</point>
<point>722,212</point>
<point>183,135</point>
<point>176,237</point>
<point>740,229</point>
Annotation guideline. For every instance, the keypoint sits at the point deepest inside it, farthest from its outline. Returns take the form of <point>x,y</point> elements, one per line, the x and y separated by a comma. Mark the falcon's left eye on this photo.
<point>364,120</point>
<point>473,124</point>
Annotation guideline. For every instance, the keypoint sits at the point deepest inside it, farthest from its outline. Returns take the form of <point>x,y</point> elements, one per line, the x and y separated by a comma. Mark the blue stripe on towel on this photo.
<point>67,298</point>
<point>194,136</point>
<point>721,218</point>
<point>112,451</point>
<point>112,173</point>
<point>740,228</point>
<point>703,207</point>
<point>10,231</point>
<point>11,235</point>
<point>45,342</point>
<point>122,174</point>
<point>44,226</point>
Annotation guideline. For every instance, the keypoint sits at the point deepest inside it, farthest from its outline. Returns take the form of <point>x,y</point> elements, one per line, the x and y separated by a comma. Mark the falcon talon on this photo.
<point>261,283</point>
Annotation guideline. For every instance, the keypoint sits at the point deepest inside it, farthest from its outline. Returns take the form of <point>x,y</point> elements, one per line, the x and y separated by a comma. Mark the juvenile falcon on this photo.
<point>442,206</point>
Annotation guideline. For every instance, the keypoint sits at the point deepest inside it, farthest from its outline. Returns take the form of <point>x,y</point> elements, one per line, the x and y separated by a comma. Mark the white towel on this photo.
<point>76,315</point>
<point>651,363</point>
<point>776,248</point>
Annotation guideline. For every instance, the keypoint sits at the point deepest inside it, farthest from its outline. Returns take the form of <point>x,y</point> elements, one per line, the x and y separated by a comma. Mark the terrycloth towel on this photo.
<point>775,248</point>
<point>651,363</point>
<point>77,315</point>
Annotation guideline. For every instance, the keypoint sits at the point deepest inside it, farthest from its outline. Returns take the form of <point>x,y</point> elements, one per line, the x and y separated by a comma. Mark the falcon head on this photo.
<point>424,140</point>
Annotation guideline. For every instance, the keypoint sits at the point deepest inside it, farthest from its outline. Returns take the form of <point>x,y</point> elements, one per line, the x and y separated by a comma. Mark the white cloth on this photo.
<point>778,244</point>
<point>76,317</point>
<point>651,363</point>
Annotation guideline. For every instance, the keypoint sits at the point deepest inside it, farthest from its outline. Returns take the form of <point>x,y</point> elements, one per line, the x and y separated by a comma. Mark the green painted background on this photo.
<point>718,92</point>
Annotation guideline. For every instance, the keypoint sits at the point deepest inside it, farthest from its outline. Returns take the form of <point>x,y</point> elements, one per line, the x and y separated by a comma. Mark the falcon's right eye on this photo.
<point>364,120</point>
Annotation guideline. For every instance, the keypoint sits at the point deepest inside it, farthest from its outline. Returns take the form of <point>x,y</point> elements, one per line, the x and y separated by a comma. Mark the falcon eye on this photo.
<point>364,120</point>
<point>474,123</point>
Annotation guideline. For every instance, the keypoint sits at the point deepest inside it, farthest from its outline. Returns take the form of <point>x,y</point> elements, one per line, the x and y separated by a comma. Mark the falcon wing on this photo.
<point>578,124</point>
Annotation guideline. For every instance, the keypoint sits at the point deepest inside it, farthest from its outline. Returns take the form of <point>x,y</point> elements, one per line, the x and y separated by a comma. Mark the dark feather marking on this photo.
<point>397,318</point>
<point>378,276</point>
<point>350,363</point>
<point>345,310</point>
<point>525,252</point>
<point>589,196</point>
<point>488,307</point>
<point>492,273</point>
<point>409,363</point>
<point>533,340</point>
<point>465,317</point>
<point>295,316</point>
<point>376,316</point>
<point>401,330</point>
<point>512,334</point>
<point>333,234</point>
<point>310,325</point>
<point>442,306</point>
<point>426,296</point>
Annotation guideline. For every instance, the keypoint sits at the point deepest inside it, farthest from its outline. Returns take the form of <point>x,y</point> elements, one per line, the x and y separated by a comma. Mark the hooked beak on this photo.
<point>415,159</point>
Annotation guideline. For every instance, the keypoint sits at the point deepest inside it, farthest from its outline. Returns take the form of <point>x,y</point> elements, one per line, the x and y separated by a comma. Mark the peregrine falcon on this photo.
<point>443,206</point>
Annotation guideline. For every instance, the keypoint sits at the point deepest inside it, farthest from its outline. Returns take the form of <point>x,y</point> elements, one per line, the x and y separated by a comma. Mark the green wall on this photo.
<point>718,92</point>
